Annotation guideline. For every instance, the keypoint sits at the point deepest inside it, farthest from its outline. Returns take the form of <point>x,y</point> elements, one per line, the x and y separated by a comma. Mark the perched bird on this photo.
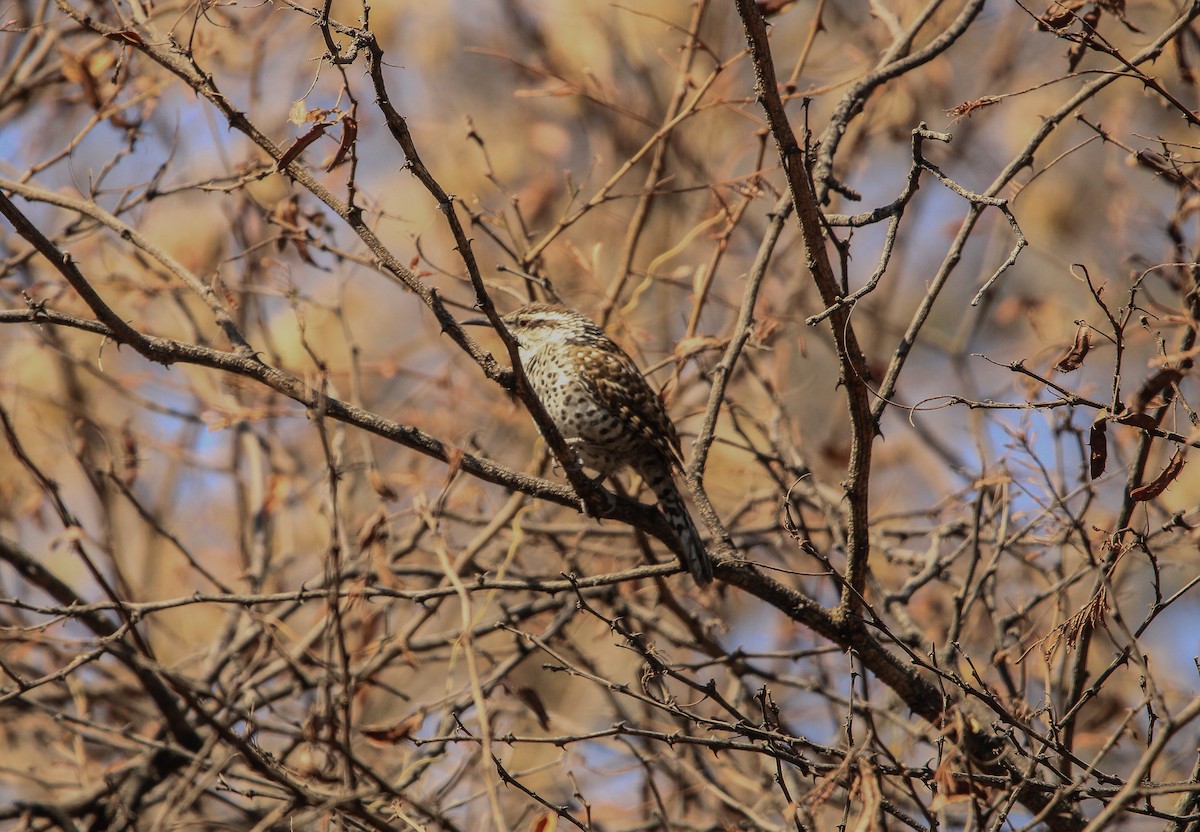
<point>605,410</point>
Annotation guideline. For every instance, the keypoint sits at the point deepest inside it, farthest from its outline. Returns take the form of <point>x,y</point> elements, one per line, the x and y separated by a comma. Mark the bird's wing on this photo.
<point>637,404</point>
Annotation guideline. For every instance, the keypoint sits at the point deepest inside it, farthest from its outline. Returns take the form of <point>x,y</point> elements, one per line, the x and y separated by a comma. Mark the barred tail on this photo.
<point>695,556</point>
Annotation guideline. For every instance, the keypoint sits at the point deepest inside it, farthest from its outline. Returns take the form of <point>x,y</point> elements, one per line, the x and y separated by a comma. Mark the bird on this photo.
<point>605,410</point>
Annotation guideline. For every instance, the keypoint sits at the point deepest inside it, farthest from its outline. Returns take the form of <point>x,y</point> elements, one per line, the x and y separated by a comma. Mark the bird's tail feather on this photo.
<point>694,555</point>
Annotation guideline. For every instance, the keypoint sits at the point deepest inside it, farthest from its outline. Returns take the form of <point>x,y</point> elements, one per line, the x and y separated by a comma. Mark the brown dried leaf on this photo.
<point>292,153</point>
<point>386,735</point>
<point>827,785</point>
<point>80,68</point>
<point>278,488</point>
<point>1137,420</point>
<point>349,135</point>
<point>126,36</point>
<point>1073,358</point>
<point>870,794</point>
<point>1075,54</point>
<point>950,789</point>
<point>1169,474</point>
<point>1098,443</point>
<point>86,70</point>
<point>287,214</point>
<point>1060,15</point>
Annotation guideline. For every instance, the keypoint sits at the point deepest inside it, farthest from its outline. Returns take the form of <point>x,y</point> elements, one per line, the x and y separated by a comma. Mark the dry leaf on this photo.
<point>1138,420</point>
<point>86,71</point>
<point>1075,54</point>
<point>385,735</point>
<point>1060,15</point>
<point>950,789</point>
<point>292,153</point>
<point>1079,350</point>
<point>349,134</point>
<point>126,36</point>
<point>287,214</point>
<point>870,794</point>
<point>1098,443</point>
<point>827,785</point>
<point>1153,489</point>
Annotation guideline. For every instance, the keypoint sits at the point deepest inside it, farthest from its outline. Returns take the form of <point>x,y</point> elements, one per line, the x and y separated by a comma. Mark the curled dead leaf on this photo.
<point>1073,359</point>
<point>1169,474</point>
<point>1059,15</point>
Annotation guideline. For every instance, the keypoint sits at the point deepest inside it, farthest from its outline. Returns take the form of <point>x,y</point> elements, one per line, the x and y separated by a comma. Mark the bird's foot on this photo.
<point>599,502</point>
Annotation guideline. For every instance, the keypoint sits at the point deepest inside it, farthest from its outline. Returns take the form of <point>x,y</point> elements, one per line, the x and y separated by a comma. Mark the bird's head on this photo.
<point>537,325</point>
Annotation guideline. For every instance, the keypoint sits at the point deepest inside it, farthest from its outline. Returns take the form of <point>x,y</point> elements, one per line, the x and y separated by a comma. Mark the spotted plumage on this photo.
<point>606,410</point>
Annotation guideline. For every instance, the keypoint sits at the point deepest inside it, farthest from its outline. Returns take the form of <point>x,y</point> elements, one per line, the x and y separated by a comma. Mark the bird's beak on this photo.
<point>475,322</point>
